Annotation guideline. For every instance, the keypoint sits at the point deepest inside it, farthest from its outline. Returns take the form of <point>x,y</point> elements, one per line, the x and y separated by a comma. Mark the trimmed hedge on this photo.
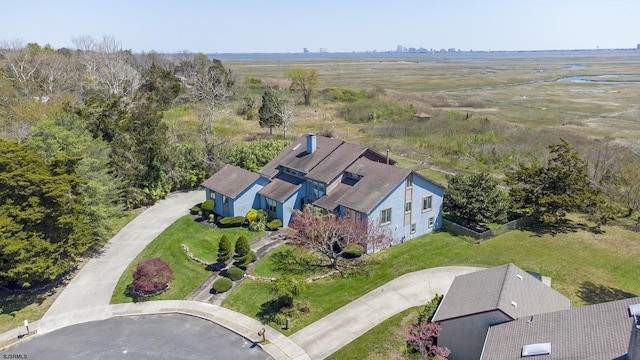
<point>354,251</point>
<point>208,205</point>
<point>227,222</point>
<point>274,224</point>
<point>235,273</point>
<point>222,284</point>
<point>195,210</point>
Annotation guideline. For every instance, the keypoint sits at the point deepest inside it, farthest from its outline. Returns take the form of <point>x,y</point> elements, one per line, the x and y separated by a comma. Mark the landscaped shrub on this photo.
<point>235,273</point>
<point>208,205</point>
<point>195,210</point>
<point>354,251</point>
<point>253,256</point>
<point>222,284</point>
<point>227,222</point>
<point>151,277</point>
<point>256,225</point>
<point>225,250</point>
<point>274,224</point>
<point>242,246</point>
<point>252,215</point>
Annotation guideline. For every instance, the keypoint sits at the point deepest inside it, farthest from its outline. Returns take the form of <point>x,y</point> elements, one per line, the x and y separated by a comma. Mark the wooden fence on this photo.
<point>460,230</point>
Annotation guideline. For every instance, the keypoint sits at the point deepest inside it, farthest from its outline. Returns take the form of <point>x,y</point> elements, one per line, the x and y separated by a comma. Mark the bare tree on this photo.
<point>107,64</point>
<point>212,86</point>
<point>21,64</point>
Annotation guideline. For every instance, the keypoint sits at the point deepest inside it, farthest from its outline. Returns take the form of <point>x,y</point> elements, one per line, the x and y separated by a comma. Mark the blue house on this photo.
<point>342,178</point>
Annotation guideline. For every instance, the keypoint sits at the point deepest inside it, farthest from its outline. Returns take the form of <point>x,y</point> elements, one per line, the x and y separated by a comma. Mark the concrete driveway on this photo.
<point>87,296</point>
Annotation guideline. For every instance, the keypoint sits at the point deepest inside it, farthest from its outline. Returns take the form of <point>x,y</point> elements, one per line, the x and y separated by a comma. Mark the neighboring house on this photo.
<point>342,178</point>
<point>482,299</point>
<point>595,332</point>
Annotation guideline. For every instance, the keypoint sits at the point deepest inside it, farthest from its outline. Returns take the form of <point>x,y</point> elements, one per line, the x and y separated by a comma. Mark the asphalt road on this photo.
<point>169,336</point>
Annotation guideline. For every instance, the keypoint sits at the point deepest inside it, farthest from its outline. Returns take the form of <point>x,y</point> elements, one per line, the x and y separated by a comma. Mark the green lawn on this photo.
<point>385,341</point>
<point>203,243</point>
<point>582,264</point>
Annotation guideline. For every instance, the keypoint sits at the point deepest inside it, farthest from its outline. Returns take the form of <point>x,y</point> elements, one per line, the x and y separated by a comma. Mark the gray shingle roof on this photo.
<point>231,181</point>
<point>296,157</point>
<point>377,181</point>
<point>334,164</point>
<point>593,332</point>
<point>507,288</point>
<point>281,187</point>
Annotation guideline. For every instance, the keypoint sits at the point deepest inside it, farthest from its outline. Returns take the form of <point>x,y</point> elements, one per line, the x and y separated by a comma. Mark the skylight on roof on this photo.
<point>634,309</point>
<point>536,349</point>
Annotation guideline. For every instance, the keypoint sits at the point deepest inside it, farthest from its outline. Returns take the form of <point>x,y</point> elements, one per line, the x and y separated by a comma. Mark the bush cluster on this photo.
<point>235,221</point>
<point>235,273</point>
<point>221,285</point>
<point>274,224</point>
<point>354,251</point>
<point>195,210</point>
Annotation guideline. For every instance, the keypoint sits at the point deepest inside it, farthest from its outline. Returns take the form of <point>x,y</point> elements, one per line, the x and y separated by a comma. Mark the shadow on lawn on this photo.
<point>563,226</point>
<point>596,294</point>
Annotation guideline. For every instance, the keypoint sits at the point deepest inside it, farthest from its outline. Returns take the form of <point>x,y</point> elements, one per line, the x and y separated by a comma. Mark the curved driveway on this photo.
<point>86,298</point>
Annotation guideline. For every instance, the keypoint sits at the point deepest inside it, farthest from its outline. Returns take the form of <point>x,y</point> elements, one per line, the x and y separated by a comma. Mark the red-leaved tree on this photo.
<point>151,276</point>
<point>421,337</point>
<point>331,235</point>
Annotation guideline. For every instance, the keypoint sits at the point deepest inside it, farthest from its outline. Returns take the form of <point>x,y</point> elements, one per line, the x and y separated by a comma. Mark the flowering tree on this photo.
<point>421,337</point>
<point>331,235</point>
<point>151,276</point>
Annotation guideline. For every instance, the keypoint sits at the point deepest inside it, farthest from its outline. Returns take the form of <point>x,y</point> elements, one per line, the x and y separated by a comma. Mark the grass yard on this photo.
<point>585,266</point>
<point>385,341</point>
<point>202,242</point>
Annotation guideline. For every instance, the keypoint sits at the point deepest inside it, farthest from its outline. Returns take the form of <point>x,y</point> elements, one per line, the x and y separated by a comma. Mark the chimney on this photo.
<point>311,143</point>
<point>634,342</point>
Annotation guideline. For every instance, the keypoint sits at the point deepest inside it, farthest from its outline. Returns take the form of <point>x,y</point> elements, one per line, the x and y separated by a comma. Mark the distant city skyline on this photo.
<point>287,26</point>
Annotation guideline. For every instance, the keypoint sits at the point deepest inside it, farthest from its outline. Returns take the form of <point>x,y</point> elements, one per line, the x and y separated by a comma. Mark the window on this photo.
<point>315,190</point>
<point>407,207</point>
<point>225,199</point>
<point>426,203</point>
<point>385,216</point>
<point>409,182</point>
<point>432,221</point>
<point>413,228</point>
<point>271,205</point>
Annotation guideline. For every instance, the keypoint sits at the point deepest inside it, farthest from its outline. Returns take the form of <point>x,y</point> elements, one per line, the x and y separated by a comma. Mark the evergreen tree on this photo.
<point>67,134</point>
<point>548,192</point>
<point>224,249</point>
<point>270,112</point>
<point>43,217</point>
<point>476,198</point>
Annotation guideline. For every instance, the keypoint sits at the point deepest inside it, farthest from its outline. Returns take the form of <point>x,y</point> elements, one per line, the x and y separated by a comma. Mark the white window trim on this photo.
<point>432,221</point>
<point>423,203</point>
<point>409,204</point>
<point>382,222</point>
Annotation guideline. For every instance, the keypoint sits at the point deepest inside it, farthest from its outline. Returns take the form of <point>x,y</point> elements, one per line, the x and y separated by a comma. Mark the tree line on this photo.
<point>84,137</point>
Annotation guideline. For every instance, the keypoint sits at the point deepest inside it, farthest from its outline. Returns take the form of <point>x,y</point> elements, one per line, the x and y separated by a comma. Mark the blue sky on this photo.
<point>338,25</point>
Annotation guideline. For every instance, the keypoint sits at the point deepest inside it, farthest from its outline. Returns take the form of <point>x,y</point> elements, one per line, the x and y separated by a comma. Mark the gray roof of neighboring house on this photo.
<point>495,289</point>
<point>296,157</point>
<point>595,332</point>
<point>231,181</point>
<point>281,187</point>
<point>377,181</point>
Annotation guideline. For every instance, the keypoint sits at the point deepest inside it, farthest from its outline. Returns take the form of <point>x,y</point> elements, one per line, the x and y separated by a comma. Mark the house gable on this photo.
<point>505,290</point>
